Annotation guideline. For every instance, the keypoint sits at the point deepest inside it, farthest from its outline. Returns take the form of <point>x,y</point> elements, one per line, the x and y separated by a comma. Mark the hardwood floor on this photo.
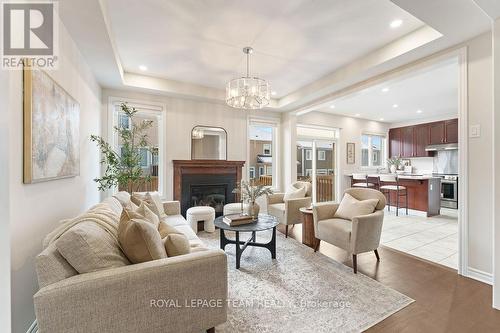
<point>444,301</point>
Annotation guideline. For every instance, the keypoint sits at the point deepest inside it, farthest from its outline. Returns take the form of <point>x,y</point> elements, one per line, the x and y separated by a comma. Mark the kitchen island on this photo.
<point>424,192</point>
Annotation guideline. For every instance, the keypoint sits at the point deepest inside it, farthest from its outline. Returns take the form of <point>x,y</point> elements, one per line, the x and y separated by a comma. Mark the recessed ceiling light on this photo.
<point>419,111</point>
<point>273,93</point>
<point>396,23</point>
<point>385,90</point>
<point>143,68</point>
<point>381,119</point>
<point>395,105</point>
<point>357,115</point>
<point>332,106</point>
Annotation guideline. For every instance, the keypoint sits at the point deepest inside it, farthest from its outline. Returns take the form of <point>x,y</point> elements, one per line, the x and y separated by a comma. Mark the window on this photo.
<point>262,158</point>
<point>309,155</point>
<point>372,150</point>
<point>321,155</point>
<point>150,156</point>
<point>266,149</point>
<point>251,172</point>
<point>124,121</point>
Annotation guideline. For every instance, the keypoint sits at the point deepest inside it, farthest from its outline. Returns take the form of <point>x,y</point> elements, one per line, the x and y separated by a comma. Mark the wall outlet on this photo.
<point>475,131</point>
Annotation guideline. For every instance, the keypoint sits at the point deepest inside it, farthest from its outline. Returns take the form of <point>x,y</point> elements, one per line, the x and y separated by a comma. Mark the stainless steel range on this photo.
<point>449,190</point>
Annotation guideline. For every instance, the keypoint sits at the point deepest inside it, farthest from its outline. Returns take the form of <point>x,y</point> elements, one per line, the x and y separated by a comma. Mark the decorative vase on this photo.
<point>393,168</point>
<point>253,209</point>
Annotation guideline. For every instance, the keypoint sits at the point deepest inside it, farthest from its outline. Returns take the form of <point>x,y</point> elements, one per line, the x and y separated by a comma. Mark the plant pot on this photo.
<point>253,209</point>
<point>393,169</point>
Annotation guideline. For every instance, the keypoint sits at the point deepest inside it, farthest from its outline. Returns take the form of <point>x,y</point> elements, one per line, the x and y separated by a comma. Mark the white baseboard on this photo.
<point>33,328</point>
<point>479,275</point>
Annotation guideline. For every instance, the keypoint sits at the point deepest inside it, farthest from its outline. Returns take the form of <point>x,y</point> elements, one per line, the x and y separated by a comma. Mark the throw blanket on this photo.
<point>100,214</point>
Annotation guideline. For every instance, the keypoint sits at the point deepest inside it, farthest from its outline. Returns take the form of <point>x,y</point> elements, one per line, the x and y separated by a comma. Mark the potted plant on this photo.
<point>394,163</point>
<point>123,168</point>
<point>249,193</point>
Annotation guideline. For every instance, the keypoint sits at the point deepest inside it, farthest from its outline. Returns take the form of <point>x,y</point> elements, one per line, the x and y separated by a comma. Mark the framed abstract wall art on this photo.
<point>51,129</point>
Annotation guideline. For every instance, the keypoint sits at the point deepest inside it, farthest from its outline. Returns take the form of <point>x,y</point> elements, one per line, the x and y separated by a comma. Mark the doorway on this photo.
<point>317,161</point>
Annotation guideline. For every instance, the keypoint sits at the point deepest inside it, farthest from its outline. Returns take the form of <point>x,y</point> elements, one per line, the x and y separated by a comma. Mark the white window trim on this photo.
<point>275,147</point>
<point>383,162</point>
<point>267,146</point>
<point>321,155</point>
<point>157,109</point>
<point>309,155</point>
<point>250,171</point>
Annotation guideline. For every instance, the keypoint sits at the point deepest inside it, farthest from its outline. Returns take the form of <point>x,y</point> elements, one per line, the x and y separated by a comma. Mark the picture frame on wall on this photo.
<point>351,153</point>
<point>51,129</point>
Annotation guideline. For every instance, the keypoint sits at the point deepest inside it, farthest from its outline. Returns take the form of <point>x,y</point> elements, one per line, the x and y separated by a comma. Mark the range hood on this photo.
<point>440,147</point>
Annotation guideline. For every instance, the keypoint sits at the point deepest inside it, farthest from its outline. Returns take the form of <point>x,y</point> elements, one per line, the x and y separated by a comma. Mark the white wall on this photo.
<point>496,171</point>
<point>37,208</point>
<point>4,207</point>
<point>182,115</point>
<point>351,130</point>
<point>480,154</point>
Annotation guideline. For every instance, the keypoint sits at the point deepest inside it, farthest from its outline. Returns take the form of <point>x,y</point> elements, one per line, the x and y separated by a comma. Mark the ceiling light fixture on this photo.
<point>381,119</point>
<point>273,93</point>
<point>332,106</point>
<point>248,92</point>
<point>357,115</point>
<point>419,111</point>
<point>143,68</point>
<point>385,90</point>
<point>396,23</point>
<point>395,105</point>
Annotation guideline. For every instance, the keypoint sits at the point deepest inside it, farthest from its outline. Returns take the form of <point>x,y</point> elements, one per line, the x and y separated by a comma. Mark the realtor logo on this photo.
<point>28,33</point>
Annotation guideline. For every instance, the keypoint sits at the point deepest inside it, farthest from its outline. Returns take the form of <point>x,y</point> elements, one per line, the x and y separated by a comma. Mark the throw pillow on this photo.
<point>176,244</point>
<point>153,201</point>
<point>294,193</point>
<point>147,214</point>
<point>88,247</point>
<point>351,207</point>
<point>140,238</point>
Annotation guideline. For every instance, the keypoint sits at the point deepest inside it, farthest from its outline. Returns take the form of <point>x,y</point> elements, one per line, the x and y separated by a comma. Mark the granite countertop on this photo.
<point>403,176</point>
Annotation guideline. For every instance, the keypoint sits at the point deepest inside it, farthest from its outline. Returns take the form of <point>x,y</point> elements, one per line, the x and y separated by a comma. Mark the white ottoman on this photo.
<point>201,213</point>
<point>233,208</point>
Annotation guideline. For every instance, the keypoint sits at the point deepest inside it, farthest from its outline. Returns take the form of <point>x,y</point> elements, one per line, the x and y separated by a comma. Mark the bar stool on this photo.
<point>360,180</point>
<point>392,184</point>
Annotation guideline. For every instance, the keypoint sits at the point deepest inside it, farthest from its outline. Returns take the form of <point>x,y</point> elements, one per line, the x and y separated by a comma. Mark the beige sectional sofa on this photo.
<point>186,293</point>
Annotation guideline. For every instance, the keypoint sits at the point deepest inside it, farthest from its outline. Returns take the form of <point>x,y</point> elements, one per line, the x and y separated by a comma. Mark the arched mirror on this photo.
<point>208,143</point>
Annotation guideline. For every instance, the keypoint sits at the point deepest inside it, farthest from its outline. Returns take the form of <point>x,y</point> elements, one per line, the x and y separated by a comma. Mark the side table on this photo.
<point>308,228</point>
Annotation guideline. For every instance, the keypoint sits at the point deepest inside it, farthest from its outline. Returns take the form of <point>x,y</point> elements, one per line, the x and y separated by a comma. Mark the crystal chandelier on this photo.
<point>248,92</point>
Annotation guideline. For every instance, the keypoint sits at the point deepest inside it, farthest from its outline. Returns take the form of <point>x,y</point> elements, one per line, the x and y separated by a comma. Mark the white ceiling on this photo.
<point>296,41</point>
<point>433,90</point>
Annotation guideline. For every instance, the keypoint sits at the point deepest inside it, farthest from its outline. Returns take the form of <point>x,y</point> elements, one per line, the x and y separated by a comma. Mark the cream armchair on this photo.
<point>287,211</point>
<point>362,234</point>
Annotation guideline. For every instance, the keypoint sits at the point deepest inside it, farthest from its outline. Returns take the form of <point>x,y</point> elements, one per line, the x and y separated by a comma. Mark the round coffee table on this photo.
<point>262,223</point>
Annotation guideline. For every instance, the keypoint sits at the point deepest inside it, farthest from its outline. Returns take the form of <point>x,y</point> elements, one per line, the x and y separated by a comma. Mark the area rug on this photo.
<point>300,291</point>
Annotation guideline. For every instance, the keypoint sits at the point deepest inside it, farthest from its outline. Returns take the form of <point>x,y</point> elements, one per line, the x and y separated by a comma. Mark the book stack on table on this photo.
<point>237,219</point>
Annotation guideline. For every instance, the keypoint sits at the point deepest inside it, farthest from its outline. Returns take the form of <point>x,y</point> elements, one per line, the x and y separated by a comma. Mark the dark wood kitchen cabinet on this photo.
<point>394,142</point>
<point>421,140</point>
<point>451,131</point>
<point>436,133</point>
<point>411,141</point>
<point>407,139</point>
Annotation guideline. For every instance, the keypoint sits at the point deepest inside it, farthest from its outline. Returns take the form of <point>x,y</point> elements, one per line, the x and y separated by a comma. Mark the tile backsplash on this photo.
<point>443,162</point>
<point>446,162</point>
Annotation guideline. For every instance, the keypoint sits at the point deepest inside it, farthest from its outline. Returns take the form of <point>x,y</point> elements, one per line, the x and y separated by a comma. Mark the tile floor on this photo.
<point>434,239</point>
